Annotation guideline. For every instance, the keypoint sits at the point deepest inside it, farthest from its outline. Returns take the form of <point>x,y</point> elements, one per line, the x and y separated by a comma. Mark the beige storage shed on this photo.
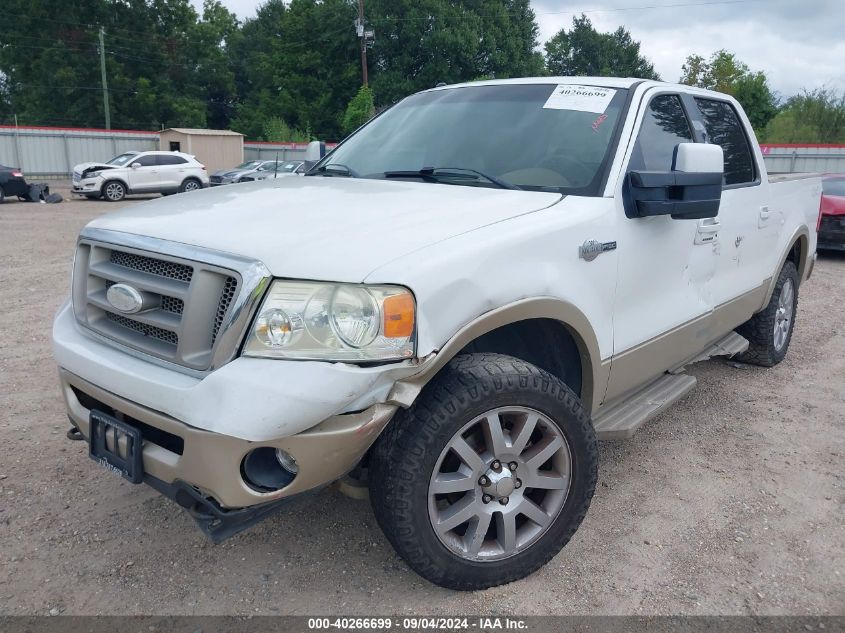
<point>216,149</point>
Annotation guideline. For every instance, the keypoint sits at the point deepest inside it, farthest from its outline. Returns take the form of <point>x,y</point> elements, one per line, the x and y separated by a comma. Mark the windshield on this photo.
<point>250,164</point>
<point>283,167</point>
<point>122,159</point>
<point>534,136</point>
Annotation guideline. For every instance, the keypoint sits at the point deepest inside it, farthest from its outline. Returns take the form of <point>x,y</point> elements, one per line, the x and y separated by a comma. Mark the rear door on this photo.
<point>748,224</point>
<point>663,294</point>
<point>173,169</point>
<point>145,177</point>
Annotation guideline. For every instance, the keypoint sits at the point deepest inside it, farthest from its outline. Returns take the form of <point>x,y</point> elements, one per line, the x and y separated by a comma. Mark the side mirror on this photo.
<point>135,165</point>
<point>691,191</point>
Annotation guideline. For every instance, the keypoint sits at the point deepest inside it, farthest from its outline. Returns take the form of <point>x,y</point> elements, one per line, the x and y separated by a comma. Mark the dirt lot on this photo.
<point>732,503</point>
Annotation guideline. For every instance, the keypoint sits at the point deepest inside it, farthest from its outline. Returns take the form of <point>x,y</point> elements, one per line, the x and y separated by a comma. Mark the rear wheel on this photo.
<point>487,476</point>
<point>114,191</point>
<point>190,184</point>
<point>769,332</point>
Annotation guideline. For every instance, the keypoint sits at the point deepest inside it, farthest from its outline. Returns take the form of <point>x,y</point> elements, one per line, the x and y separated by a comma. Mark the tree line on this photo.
<point>293,72</point>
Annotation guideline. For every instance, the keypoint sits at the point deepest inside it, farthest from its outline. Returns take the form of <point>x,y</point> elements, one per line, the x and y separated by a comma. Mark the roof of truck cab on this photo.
<point>606,82</point>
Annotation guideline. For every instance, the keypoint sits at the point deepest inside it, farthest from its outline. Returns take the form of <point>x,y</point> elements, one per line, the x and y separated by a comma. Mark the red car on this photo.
<point>832,217</point>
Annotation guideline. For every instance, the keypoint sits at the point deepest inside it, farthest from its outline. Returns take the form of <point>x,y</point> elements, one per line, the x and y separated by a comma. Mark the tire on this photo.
<point>190,184</point>
<point>769,332</point>
<point>114,191</point>
<point>410,462</point>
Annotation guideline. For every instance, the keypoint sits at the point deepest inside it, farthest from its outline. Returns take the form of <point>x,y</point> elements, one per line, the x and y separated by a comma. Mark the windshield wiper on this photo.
<point>439,174</point>
<point>334,169</point>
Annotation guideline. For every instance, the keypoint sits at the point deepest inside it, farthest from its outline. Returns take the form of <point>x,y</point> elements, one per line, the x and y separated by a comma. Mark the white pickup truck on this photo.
<point>455,304</point>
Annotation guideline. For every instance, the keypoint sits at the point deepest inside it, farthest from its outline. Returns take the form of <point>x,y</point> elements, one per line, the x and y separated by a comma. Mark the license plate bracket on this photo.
<point>124,457</point>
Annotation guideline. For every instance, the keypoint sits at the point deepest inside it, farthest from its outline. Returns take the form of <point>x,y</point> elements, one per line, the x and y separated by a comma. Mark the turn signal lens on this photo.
<point>399,316</point>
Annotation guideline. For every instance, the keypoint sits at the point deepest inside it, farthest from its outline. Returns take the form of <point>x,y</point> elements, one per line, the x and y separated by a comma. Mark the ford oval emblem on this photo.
<point>125,298</point>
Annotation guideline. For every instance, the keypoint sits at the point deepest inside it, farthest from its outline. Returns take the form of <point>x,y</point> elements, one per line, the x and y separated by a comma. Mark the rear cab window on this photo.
<point>725,129</point>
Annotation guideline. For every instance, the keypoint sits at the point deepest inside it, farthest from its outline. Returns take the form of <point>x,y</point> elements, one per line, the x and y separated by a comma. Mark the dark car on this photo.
<point>12,183</point>
<point>832,214</point>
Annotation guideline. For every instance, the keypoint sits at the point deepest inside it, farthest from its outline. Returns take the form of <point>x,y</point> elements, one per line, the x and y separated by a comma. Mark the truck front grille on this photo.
<point>187,303</point>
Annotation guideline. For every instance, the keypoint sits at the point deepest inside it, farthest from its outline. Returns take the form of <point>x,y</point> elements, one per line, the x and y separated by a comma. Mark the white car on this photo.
<point>139,172</point>
<point>453,317</point>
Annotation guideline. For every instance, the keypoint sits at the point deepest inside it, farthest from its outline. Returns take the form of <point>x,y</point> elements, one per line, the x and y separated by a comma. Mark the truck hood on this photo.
<point>326,228</point>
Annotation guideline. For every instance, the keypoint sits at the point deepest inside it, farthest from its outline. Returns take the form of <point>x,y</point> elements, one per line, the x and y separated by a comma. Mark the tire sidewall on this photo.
<point>787,272</point>
<point>564,409</point>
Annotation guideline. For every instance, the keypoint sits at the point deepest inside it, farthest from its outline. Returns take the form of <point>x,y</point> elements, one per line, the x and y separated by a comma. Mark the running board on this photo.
<point>730,345</point>
<point>621,419</point>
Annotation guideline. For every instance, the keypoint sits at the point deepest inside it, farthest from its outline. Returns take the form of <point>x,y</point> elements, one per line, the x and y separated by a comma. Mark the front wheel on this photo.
<point>487,476</point>
<point>114,191</point>
<point>769,332</point>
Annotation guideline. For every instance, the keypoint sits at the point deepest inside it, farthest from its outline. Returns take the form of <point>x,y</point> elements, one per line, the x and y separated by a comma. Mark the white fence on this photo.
<point>789,159</point>
<point>45,152</point>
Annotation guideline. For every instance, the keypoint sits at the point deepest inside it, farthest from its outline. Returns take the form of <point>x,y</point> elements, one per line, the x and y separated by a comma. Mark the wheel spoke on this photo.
<point>540,453</point>
<point>456,514</point>
<point>474,538</point>
<point>494,435</point>
<point>524,433</point>
<point>447,483</point>
<point>506,531</point>
<point>552,481</point>
<point>467,454</point>
<point>534,512</point>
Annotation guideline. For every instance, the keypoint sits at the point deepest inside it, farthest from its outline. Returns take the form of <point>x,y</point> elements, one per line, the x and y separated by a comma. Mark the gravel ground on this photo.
<point>731,503</point>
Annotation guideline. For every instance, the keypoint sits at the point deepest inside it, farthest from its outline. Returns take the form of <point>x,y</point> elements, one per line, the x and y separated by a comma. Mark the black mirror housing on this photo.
<point>682,195</point>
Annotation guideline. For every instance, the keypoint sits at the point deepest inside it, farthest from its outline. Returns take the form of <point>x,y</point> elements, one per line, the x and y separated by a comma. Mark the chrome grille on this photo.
<point>147,330</point>
<point>187,303</point>
<point>171,270</point>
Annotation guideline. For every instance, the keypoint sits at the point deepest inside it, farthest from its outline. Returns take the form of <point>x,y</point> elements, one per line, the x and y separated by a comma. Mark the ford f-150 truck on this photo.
<point>455,304</point>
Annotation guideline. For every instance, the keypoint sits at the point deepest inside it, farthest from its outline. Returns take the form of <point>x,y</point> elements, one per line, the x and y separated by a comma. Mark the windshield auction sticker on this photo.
<point>581,98</point>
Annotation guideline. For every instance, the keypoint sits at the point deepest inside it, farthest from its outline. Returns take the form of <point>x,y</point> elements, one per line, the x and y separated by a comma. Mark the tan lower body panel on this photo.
<point>212,462</point>
<point>641,364</point>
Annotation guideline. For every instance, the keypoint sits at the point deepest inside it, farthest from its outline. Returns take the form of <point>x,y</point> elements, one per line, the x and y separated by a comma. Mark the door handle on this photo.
<point>707,231</point>
<point>763,220</point>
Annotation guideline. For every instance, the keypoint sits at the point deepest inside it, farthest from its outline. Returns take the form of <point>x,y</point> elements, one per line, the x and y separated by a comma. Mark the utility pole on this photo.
<point>105,81</point>
<point>360,27</point>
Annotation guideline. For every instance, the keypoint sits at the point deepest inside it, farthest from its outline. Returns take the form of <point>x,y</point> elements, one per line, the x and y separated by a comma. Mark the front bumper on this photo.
<point>86,187</point>
<point>175,453</point>
<point>326,415</point>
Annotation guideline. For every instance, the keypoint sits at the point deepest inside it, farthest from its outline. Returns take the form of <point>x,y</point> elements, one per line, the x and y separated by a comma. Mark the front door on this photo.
<point>144,177</point>
<point>664,282</point>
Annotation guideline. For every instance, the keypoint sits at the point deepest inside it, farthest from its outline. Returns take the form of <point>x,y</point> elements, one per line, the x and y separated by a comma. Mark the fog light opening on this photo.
<point>267,469</point>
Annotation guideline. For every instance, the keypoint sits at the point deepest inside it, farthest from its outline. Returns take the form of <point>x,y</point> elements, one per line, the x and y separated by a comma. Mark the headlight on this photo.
<point>93,174</point>
<point>339,322</point>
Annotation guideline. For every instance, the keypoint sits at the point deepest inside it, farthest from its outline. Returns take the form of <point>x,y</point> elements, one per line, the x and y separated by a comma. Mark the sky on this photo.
<point>799,44</point>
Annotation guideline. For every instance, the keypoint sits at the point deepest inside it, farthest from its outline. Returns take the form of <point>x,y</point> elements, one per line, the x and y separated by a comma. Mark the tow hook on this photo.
<point>74,434</point>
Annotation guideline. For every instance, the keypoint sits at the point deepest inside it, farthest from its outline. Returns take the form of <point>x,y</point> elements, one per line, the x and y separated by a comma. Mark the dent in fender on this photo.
<point>594,372</point>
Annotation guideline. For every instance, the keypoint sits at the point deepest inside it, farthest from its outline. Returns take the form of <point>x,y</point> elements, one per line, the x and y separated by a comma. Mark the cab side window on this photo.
<point>664,126</point>
<point>725,129</point>
<point>164,159</point>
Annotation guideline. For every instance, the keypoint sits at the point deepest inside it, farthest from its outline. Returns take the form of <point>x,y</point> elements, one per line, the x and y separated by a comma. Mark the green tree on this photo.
<point>420,43</point>
<point>723,72</point>
<point>816,116</point>
<point>275,129</point>
<point>360,110</point>
<point>584,51</point>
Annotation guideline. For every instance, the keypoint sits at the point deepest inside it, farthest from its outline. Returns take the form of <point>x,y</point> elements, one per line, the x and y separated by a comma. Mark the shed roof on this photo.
<point>202,131</point>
